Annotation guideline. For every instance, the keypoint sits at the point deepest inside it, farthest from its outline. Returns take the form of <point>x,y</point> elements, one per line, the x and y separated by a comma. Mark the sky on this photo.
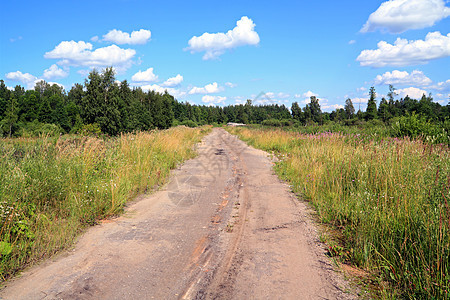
<point>225,52</point>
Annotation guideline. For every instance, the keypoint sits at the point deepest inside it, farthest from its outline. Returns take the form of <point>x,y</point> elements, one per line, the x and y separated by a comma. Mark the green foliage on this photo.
<point>35,128</point>
<point>272,122</point>
<point>416,126</point>
<point>189,123</point>
<point>371,111</point>
<point>91,130</point>
<point>117,108</point>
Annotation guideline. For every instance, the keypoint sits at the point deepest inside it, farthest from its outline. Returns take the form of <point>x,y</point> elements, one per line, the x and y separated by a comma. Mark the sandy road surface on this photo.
<point>224,228</point>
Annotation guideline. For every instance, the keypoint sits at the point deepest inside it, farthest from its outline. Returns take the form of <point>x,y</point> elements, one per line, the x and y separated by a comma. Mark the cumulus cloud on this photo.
<point>136,37</point>
<point>442,86</point>
<point>145,76</point>
<point>403,78</point>
<point>412,92</point>
<point>54,72</point>
<point>332,106</point>
<point>25,78</point>
<point>159,89</point>
<point>80,53</point>
<point>351,42</point>
<point>173,81</point>
<point>215,44</point>
<point>309,94</point>
<point>213,99</point>
<point>404,52</point>
<point>360,100</point>
<point>207,89</point>
<point>230,84</point>
<point>397,16</point>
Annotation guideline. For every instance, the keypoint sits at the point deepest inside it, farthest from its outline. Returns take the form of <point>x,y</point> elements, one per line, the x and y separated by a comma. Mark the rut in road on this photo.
<point>224,227</point>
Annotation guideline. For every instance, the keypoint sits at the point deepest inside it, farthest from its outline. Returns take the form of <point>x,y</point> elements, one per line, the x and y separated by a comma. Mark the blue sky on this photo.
<point>287,50</point>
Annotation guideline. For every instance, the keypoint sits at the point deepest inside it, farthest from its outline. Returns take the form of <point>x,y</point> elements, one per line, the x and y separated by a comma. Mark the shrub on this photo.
<point>272,122</point>
<point>189,123</point>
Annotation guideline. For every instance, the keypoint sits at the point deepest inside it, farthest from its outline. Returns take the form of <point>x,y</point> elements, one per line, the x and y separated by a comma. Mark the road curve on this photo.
<point>224,227</point>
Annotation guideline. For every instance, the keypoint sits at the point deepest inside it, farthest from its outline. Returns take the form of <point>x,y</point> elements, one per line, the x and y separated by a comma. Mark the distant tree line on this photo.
<point>114,107</point>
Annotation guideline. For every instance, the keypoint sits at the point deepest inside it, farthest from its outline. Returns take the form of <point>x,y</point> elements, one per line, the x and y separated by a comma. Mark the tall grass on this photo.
<point>389,198</point>
<point>52,188</point>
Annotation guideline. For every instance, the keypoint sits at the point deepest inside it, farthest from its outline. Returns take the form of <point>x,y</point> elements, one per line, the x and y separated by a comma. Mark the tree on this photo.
<point>371,111</point>
<point>297,113</point>
<point>349,109</point>
<point>11,116</point>
<point>383,110</point>
<point>29,106</point>
<point>313,111</point>
<point>4,98</point>
<point>100,103</point>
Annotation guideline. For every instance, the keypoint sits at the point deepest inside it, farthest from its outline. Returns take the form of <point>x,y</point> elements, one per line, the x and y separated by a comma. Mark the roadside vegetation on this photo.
<point>388,197</point>
<point>52,188</point>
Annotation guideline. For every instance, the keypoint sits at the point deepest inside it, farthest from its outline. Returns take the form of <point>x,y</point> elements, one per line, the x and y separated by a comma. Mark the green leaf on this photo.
<point>5,248</point>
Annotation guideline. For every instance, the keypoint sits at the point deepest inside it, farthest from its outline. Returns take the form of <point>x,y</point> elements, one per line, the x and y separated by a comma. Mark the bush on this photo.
<point>91,130</point>
<point>35,128</point>
<point>189,123</point>
<point>416,126</point>
<point>272,122</point>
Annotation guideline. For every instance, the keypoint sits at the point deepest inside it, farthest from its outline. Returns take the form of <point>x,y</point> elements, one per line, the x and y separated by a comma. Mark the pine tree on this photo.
<point>371,111</point>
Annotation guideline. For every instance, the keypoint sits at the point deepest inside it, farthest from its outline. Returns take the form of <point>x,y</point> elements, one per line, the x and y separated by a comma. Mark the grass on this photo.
<point>389,199</point>
<point>53,188</point>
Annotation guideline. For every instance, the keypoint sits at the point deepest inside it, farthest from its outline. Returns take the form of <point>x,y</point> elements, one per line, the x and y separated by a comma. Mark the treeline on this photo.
<point>103,105</point>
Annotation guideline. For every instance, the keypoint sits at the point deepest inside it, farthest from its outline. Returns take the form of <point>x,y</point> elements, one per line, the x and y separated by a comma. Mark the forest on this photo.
<point>104,105</point>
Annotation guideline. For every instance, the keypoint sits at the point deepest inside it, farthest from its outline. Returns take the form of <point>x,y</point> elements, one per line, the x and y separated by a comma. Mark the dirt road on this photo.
<point>224,227</point>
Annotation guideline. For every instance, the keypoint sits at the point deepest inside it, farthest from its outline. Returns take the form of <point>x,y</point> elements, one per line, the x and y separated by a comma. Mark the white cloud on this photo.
<point>360,100</point>
<point>403,78</point>
<point>361,89</point>
<point>404,52</point>
<point>230,84</point>
<point>332,106</point>
<point>442,86</point>
<point>159,89</point>
<point>51,83</point>
<point>80,53</point>
<point>351,42</point>
<point>412,92</point>
<point>173,81</point>
<point>283,95</point>
<point>207,89</point>
<point>213,99</point>
<point>54,72</point>
<point>309,94</point>
<point>136,37</point>
<point>94,38</point>
<point>145,76</point>
<point>26,78</point>
<point>397,16</point>
<point>215,44</point>
<point>12,40</point>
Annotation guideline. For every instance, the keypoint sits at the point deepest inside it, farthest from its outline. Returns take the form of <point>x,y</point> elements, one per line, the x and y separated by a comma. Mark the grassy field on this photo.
<point>53,188</point>
<point>388,198</point>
